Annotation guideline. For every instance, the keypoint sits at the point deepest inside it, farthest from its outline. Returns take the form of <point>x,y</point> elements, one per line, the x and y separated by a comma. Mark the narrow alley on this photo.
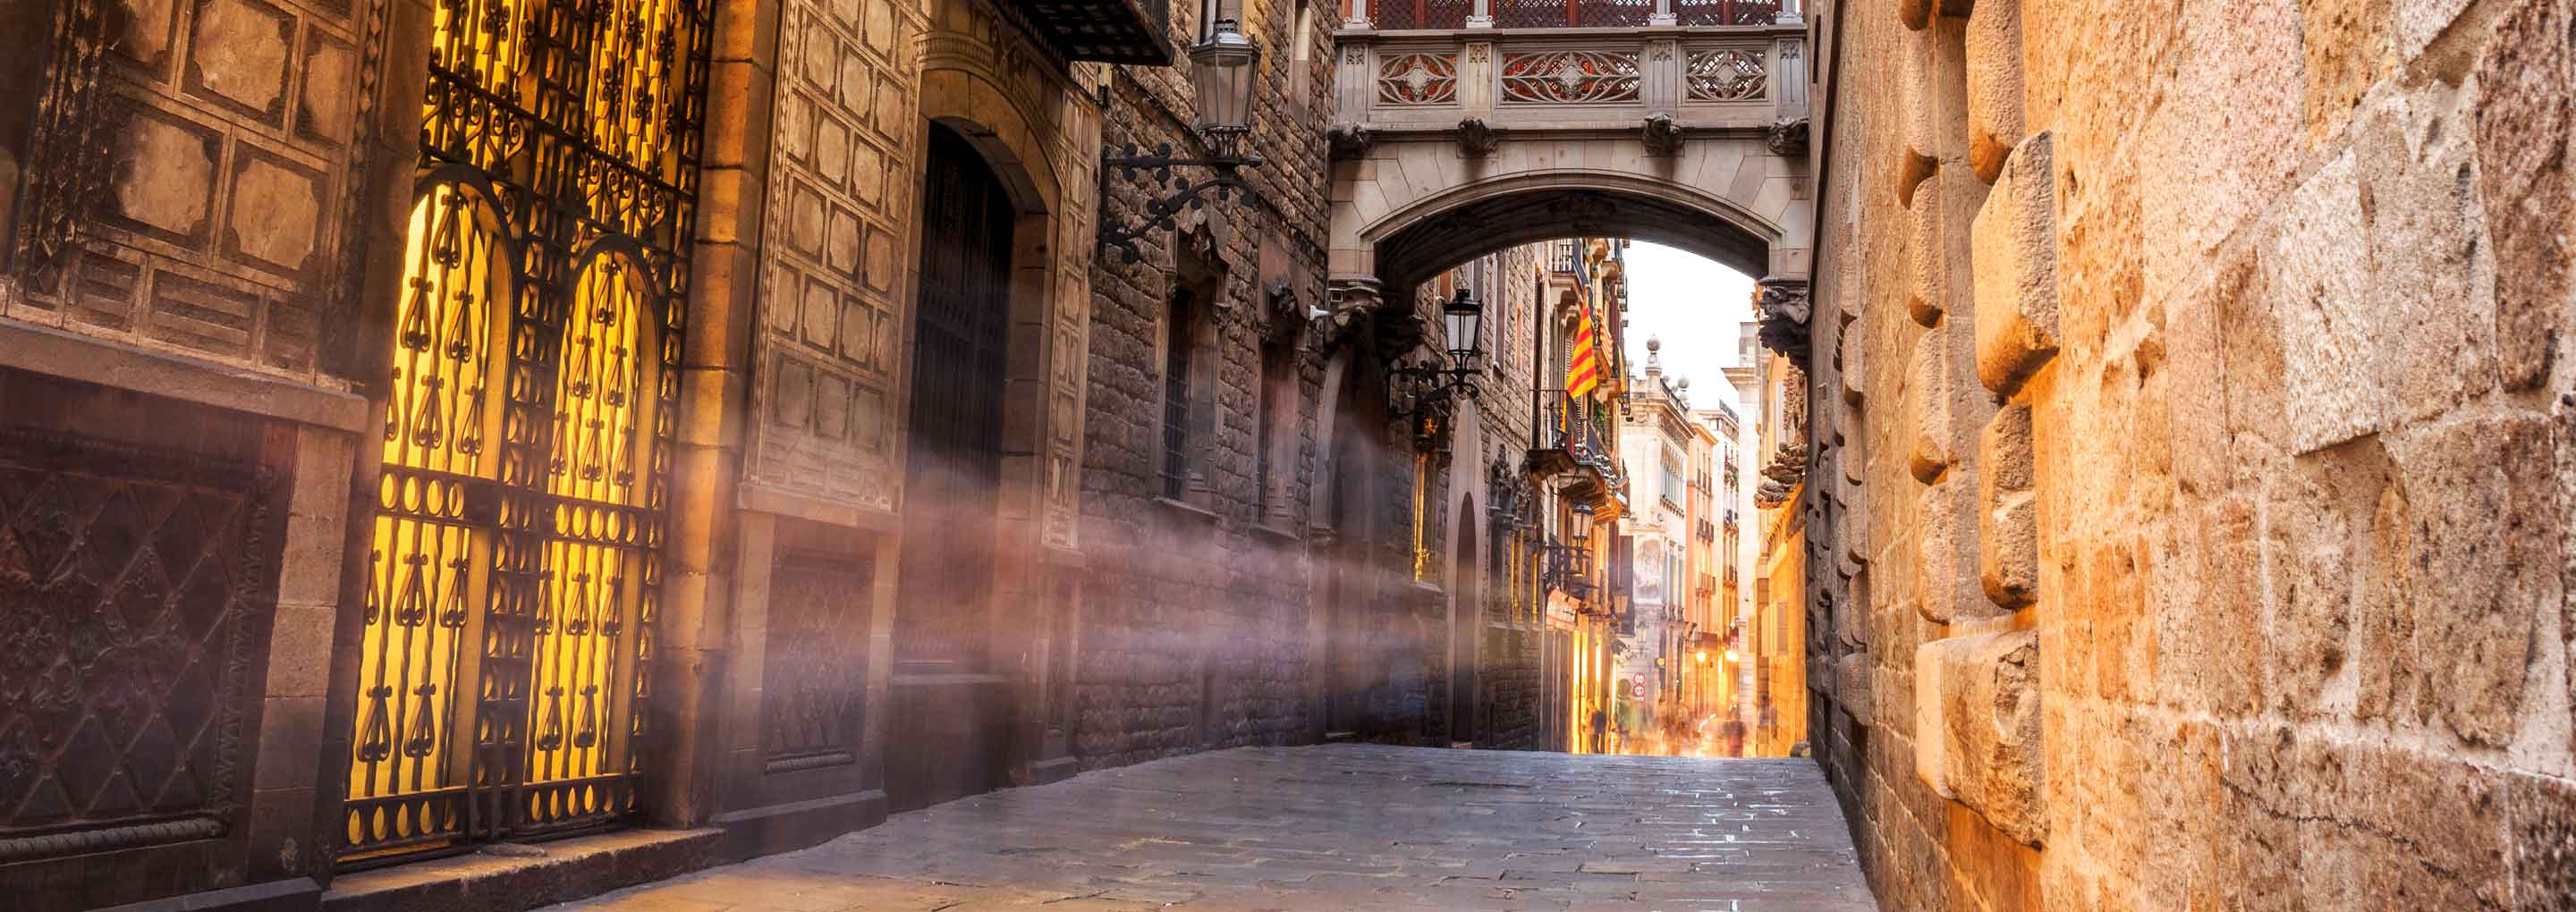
<point>1329,828</point>
<point>1288,455</point>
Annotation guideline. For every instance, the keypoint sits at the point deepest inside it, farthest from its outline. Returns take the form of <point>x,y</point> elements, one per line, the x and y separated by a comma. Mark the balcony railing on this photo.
<point>1528,14</point>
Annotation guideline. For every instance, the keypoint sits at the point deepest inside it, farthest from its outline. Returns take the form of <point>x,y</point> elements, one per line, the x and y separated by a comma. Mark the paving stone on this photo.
<point>1330,828</point>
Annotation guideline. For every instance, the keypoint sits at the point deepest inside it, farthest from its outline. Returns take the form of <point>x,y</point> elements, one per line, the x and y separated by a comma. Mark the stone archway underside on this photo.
<point>1424,248</point>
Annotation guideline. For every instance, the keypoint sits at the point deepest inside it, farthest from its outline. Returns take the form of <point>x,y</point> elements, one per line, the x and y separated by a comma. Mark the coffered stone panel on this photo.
<point>218,225</point>
<point>832,279</point>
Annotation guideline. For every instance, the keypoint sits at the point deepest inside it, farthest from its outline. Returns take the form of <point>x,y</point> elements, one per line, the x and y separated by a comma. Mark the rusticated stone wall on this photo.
<point>2193,474</point>
<point>1195,620</point>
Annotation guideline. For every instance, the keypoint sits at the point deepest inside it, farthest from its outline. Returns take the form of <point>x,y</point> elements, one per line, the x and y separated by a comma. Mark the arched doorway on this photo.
<point>1348,589</point>
<point>1466,620</point>
<point>945,682</point>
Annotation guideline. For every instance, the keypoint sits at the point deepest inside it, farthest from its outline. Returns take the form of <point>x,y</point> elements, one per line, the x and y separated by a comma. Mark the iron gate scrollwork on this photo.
<point>515,572</point>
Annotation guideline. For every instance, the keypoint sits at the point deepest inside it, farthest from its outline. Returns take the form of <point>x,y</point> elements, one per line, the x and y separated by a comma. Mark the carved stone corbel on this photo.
<point>1663,136</point>
<point>1476,138</point>
<point>1348,140</point>
<point>1283,312</point>
<point>1786,137</point>
<point>1781,303</point>
<point>1351,304</point>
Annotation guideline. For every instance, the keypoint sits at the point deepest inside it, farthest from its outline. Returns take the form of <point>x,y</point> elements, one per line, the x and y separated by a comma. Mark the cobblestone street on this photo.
<point>1336,827</point>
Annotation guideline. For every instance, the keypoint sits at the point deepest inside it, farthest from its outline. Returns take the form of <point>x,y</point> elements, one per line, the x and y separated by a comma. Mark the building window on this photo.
<point>1672,480</point>
<point>1178,336</point>
<point>1275,425</point>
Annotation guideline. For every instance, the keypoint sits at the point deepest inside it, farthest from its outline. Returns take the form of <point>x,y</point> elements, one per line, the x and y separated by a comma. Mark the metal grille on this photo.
<point>514,576</point>
<point>1421,14</point>
<point>1726,12</point>
<point>1176,402</point>
<point>953,472</point>
<point>1568,13</point>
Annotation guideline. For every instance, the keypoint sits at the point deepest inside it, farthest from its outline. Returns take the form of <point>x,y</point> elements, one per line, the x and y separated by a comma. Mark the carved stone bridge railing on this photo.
<point>1391,15</point>
<point>1483,83</point>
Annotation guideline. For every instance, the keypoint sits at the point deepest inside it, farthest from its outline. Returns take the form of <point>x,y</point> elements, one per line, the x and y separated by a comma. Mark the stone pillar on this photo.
<point>1789,78</point>
<point>1660,85</point>
<point>1476,80</point>
<point>1359,16</point>
<point>1663,14</point>
<point>1483,17</point>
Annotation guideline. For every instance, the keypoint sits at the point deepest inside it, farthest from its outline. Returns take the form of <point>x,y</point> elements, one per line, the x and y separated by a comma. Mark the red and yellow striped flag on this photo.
<point>1583,361</point>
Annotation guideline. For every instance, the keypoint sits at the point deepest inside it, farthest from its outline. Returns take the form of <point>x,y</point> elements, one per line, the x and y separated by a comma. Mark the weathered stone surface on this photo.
<point>1994,86</point>
<point>1927,259</point>
<point>1852,685</point>
<point>2473,537</point>
<point>1929,395</point>
<point>2329,337</point>
<point>2529,193</point>
<point>2014,250</point>
<point>1993,761</point>
<point>2008,511</point>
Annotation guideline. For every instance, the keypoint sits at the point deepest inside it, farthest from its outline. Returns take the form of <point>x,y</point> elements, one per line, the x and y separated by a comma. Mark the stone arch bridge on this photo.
<point>1452,143</point>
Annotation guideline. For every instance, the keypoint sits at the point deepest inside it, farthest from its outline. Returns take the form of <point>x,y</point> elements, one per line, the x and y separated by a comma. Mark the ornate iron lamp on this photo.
<point>1223,72</point>
<point>1429,390</point>
<point>1581,528</point>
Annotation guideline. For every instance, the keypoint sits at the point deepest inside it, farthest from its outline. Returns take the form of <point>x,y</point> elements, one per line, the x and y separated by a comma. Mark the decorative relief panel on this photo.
<point>815,672</point>
<point>137,589</point>
<point>841,193</point>
<point>1726,75</point>
<point>1418,79</point>
<point>192,191</point>
<point>1569,77</point>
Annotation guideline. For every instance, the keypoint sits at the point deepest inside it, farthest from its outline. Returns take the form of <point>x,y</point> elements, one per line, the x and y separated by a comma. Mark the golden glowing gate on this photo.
<point>515,572</point>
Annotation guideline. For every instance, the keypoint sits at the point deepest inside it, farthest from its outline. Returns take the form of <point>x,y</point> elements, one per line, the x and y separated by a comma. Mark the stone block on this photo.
<point>2330,346</point>
<point>1852,687</point>
<point>2522,126</point>
<point>1926,258</point>
<point>1929,395</point>
<point>1945,554</point>
<point>2472,538</point>
<point>2540,821</point>
<point>1994,86</point>
<point>1930,715</point>
<point>1986,687</point>
<point>2007,510</point>
<point>2013,249</point>
<point>2433,270</point>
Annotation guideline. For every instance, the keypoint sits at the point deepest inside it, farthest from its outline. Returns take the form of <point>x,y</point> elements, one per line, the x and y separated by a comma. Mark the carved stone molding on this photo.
<point>1283,311</point>
<point>1663,136</point>
<point>1782,304</point>
<point>77,117</point>
<point>1476,138</point>
<point>1786,136</point>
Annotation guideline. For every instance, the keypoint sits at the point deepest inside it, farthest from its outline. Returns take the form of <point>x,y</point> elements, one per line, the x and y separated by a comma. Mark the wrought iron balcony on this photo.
<point>1104,31</point>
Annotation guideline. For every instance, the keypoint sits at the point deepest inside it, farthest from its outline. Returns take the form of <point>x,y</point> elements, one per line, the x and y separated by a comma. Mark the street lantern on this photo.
<point>1221,74</point>
<point>1581,529</point>
<point>1460,315</point>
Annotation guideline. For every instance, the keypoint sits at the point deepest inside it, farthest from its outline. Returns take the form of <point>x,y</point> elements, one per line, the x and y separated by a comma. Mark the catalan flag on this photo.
<point>1583,360</point>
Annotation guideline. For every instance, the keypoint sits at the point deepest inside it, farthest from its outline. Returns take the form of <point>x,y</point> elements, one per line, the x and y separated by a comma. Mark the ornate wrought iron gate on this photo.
<point>515,571</point>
